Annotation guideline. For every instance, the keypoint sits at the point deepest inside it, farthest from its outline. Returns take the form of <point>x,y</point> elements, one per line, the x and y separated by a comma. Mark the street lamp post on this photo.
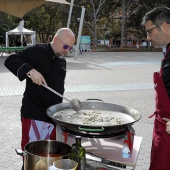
<point>79,33</point>
<point>70,12</point>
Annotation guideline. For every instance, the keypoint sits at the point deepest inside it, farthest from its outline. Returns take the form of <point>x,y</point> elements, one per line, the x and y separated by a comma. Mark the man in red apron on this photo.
<point>157,25</point>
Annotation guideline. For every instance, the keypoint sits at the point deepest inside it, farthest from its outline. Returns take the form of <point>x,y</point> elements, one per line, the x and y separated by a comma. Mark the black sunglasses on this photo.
<point>65,46</point>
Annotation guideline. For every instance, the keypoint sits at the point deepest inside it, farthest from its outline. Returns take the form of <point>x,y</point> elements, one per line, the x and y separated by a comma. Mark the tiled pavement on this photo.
<point>10,91</point>
<point>121,78</point>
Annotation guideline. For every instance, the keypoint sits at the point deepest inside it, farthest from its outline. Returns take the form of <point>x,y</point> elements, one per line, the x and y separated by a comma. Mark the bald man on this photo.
<point>43,63</point>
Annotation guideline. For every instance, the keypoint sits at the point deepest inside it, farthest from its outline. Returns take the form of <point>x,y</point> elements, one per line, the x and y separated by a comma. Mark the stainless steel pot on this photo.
<point>39,155</point>
<point>128,114</point>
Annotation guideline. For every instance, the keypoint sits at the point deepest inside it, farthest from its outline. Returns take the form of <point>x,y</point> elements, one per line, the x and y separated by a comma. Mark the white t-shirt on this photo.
<point>164,49</point>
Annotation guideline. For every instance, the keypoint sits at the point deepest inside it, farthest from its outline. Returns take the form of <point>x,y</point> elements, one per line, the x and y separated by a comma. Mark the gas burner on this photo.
<point>119,134</point>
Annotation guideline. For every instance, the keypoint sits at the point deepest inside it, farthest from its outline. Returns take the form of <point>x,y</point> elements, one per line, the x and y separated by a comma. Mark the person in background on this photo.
<point>109,46</point>
<point>41,64</point>
<point>17,42</point>
<point>157,25</point>
<point>24,43</point>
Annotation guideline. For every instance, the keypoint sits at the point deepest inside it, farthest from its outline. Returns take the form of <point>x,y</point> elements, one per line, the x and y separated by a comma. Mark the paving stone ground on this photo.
<point>115,77</point>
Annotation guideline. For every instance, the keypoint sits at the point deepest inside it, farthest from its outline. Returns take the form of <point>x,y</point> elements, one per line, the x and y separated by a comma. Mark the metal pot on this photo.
<point>128,114</point>
<point>39,155</point>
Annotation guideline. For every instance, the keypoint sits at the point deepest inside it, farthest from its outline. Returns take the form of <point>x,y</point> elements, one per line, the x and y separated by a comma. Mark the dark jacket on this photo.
<point>166,71</point>
<point>36,98</point>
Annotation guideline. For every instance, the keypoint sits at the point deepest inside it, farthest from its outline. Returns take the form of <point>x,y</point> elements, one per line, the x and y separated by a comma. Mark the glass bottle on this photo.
<point>78,153</point>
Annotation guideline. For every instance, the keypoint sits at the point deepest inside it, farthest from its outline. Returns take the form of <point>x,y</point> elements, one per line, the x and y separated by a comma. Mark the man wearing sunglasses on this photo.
<point>156,23</point>
<point>41,64</point>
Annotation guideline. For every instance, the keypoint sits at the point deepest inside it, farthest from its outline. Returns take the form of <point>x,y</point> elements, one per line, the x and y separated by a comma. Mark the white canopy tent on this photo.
<point>19,8</point>
<point>20,30</point>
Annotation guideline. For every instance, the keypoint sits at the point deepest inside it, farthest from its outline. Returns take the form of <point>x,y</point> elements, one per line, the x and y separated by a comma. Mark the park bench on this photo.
<point>10,49</point>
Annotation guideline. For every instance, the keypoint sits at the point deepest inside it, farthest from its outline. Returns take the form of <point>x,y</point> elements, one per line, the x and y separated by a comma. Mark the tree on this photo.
<point>141,7</point>
<point>92,15</point>
<point>108,24</point>
<point>103,18</point>
<point>9,22</point>
<point>46,20</point>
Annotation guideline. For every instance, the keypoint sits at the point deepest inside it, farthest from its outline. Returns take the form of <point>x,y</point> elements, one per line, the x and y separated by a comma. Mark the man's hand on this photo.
<point>37,77</point>
<point>167,124</point>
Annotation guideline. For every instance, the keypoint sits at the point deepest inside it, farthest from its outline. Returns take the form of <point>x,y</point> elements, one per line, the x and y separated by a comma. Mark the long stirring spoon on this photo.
<point>75,103</point>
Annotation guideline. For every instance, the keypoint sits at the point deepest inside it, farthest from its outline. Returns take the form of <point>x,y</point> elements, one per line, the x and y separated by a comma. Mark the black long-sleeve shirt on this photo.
<point>36,98</point>
<point>166,72</point>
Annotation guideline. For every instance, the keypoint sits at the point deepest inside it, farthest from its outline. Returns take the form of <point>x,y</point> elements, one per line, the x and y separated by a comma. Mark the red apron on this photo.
<point>160,159</point>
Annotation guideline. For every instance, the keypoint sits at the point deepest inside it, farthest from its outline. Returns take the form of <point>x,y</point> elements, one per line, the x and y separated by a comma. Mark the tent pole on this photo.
<point>7,43</point>
<point>22,35</point>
